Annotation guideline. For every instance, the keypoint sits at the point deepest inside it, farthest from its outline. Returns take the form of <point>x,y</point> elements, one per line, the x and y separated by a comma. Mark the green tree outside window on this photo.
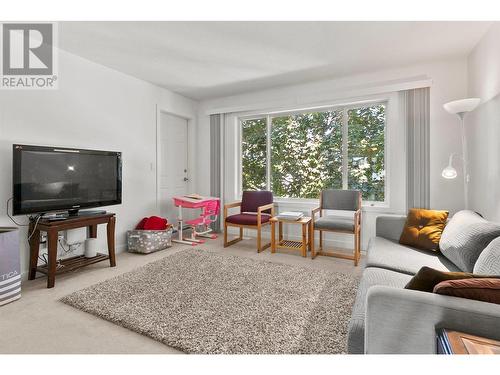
<point>306,154</point>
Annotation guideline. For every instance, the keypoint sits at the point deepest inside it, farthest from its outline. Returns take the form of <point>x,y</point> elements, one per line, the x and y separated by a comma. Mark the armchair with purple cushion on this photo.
<point>256,208</point>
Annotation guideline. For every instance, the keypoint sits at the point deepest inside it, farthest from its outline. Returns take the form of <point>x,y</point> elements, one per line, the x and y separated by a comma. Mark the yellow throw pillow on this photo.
<point>423,228</point>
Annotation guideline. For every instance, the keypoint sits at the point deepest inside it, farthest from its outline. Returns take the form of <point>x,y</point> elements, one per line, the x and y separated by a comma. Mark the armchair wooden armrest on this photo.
<point>315,211</point>
<point>230,205</point>
<point>269,206</point>
<point>357,217</point>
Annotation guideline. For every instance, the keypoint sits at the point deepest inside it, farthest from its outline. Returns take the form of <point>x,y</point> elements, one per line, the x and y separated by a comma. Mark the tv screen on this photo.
<point>54,179</point>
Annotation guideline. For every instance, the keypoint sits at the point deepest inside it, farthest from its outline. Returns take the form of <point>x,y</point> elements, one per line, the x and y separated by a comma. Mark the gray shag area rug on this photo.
<point>204,302</point>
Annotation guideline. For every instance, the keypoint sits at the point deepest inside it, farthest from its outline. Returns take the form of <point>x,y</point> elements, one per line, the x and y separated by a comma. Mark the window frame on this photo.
<point>345,107</point>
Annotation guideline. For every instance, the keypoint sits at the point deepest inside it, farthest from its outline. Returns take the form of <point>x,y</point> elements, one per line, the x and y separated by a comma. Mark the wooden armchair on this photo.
<point>256,208</point>
<point>346,200</point>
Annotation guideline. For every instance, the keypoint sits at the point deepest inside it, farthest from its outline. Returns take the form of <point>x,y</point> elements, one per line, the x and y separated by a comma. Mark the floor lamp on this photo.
<point>461,108</point>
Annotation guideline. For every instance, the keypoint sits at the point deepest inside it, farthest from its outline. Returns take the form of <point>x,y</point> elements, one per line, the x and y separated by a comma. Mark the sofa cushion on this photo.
<point>334,223</point>
<point>423,228</point>
<point>391,255</point>
<point>465,237</point>
<point>488,262</point>
<point>371,276</point>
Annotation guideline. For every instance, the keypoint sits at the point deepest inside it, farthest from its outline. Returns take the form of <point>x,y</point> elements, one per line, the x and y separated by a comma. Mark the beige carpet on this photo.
<point>204,302</point>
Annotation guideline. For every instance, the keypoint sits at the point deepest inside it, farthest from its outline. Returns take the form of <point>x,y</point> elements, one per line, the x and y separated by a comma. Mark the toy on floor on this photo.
<point>209,206</point>
<point>152,223</point>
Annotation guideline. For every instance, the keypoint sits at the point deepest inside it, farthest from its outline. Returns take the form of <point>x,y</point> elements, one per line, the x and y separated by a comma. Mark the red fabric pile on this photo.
<point>152,223</point>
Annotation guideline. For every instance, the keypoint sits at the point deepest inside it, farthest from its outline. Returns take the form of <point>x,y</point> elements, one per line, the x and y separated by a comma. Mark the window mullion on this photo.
<point>345,129</point>
<point>268,153</point>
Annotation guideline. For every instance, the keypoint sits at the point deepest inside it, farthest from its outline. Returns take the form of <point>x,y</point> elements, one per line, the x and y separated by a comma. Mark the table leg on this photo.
<point>273,241</point>
<point>304,240</point>
<point>110,231</point>
<point>93,231</point>
<point>180,224</point>
<point>311,235</point>
<point>34,243</point>
<point>52,253</point>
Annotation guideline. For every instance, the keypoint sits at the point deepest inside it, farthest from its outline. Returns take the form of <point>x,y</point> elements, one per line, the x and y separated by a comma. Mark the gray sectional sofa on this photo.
<point>389,319</point>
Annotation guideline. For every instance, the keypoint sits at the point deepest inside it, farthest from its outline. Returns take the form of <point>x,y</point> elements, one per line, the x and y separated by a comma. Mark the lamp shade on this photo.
<point>462,106</point>
<point>449,172</point>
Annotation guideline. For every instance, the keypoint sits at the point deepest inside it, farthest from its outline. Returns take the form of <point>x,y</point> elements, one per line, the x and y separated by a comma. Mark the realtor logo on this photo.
<point>28,56</point>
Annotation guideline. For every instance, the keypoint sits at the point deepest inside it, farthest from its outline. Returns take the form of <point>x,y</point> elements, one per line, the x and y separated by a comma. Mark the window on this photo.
<point>254,153</point>
<point>298,155</point>
<point>366,151</point>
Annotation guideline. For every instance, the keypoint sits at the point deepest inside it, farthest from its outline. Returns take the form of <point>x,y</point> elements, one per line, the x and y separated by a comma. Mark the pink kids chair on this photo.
<point>209,214</point>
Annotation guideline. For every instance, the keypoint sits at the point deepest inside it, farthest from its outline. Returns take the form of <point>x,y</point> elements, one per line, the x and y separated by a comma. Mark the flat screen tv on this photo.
<point>48,179</point>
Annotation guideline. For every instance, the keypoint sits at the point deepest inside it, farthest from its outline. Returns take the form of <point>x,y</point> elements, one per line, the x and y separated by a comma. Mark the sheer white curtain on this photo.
<point>416,103</point>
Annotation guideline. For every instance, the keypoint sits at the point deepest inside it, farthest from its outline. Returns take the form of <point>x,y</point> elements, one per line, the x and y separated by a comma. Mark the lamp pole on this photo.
<point>465,161</point>
<point>461,108</point>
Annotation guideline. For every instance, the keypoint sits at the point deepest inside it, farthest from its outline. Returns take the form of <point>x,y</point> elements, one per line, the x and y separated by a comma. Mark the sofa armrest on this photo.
<point>405,321</point>
<point>390,226</point>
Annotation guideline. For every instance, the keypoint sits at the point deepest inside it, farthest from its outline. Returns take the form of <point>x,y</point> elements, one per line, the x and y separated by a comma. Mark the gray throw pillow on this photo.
<point>488,262</point>
<point>465,237</point>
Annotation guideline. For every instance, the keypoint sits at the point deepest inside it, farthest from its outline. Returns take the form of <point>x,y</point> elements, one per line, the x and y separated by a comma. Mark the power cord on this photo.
<point>43,258</point>
<point>34,227</point>
<point>10,217</point>
<point>37,218</point>
<point>69,249</point>
<point>30,218</point>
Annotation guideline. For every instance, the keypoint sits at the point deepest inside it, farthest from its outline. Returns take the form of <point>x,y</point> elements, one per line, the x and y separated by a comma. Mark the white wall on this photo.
<point>98,108</point>
<point>448,83</point>
<point>483,125</point>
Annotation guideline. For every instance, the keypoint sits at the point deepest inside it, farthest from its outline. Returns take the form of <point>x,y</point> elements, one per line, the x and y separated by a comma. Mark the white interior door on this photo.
<point>173,162</point>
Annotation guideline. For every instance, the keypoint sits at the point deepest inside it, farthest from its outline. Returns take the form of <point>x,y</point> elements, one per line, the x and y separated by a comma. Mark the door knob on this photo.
<point>186,179</point>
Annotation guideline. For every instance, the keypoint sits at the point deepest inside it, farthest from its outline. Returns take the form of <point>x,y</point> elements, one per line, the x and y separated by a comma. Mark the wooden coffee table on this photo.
<point>306,224</point>
<point>453,342</point>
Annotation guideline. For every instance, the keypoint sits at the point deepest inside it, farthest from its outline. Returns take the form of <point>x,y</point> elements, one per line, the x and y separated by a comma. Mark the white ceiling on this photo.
<point>209,59</point>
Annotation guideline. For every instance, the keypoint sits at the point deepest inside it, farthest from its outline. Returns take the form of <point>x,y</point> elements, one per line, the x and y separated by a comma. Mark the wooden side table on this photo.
<point>453,342</point>
<point>69,264</point>
<point>304,245</point>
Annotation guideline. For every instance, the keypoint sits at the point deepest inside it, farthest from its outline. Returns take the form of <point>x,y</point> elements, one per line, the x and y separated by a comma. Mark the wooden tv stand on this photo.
<point>69,264</point>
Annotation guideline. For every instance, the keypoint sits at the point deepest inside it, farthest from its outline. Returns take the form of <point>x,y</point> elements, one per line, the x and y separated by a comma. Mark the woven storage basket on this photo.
<point>148,241</point>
